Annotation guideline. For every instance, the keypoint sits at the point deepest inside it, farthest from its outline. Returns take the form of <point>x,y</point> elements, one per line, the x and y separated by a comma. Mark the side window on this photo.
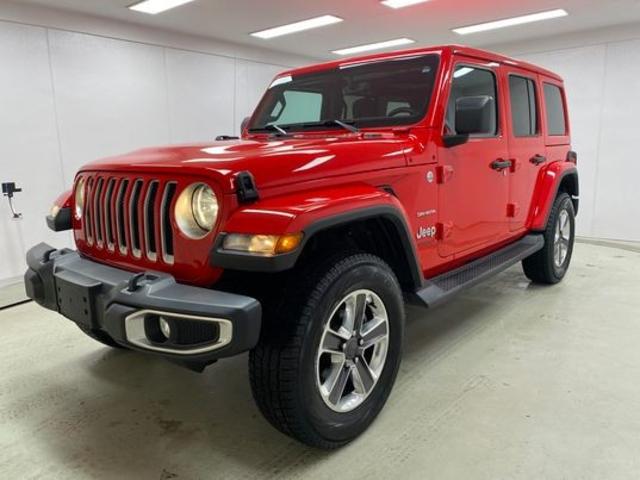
<point>524,108</point>
<point>472,82</point>
<point>556,121</point>
<point>298,107</point>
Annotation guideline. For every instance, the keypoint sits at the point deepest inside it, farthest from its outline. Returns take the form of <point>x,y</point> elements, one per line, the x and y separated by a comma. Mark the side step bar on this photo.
<point>439,289</point>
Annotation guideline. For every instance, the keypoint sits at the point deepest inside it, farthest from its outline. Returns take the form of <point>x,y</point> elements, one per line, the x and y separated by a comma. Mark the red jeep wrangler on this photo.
<point>356,185</point>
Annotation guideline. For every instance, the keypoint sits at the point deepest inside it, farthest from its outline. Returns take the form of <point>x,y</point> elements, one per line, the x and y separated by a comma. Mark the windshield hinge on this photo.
<point>246,189</point>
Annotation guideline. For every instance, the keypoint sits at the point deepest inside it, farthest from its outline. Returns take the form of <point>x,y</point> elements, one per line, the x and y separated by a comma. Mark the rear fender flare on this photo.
<point>548,185</point>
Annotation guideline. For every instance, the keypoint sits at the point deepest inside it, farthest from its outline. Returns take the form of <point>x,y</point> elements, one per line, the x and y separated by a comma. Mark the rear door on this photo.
<point>473,194</point>
<point>526,142</point>
<point>557,131</point>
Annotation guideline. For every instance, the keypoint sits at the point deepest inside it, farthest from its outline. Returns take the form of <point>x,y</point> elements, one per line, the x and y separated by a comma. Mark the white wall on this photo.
<point>68,97</point>
<point>601,69</point>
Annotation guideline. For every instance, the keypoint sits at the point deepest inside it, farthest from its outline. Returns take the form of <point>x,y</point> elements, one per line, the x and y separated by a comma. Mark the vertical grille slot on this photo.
<point>97,212</point>
<point>166,229</point>
<point>150,221</point>
<point>88,214</point>
<point>108,215</point>
<point>128,217</point>
<point>120,217</point>
<point>134,220</point>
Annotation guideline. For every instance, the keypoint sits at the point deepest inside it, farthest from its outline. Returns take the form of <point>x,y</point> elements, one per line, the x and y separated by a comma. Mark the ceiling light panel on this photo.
<point>316,22</point>
<point>402,3</point>
<point>374,46</point>
<point>510,22</point>
<point>157,6</point>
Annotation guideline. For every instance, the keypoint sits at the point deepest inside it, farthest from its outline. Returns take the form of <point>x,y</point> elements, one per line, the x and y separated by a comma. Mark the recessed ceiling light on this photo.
<point>374,46</point>
<point>401,3</point>
<point>297,27</point>
<point>510,22</point>
<point>157,6</point>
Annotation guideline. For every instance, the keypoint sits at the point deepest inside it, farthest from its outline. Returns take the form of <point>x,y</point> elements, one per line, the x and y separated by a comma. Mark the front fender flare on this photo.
<point>310,213</point>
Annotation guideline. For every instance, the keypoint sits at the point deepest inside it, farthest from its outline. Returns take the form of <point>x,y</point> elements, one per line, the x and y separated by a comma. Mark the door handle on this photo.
<point>501,164</point>
<point>538,159</point>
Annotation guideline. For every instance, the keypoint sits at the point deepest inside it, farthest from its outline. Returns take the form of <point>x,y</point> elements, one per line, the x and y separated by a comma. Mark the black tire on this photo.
<point>101,337</point>
<point>283,366</point>
<point>541,267</point>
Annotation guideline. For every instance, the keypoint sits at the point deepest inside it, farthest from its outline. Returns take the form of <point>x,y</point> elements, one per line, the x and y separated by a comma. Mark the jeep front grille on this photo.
<point>130,216</point>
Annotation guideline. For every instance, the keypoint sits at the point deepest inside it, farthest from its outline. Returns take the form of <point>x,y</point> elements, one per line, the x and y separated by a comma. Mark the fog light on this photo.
<point>165,327</point>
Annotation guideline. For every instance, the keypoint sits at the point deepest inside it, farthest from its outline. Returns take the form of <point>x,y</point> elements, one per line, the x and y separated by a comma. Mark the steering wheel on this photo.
<point>397,111</point>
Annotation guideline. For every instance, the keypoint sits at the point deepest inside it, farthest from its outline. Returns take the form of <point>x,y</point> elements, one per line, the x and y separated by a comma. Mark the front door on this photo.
<point>474,177</point>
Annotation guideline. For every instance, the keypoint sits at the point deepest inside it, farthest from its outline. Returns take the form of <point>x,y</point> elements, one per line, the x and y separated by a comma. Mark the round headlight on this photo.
<point>79,198</point>
<point>205,207</point>
<point>196,210</point>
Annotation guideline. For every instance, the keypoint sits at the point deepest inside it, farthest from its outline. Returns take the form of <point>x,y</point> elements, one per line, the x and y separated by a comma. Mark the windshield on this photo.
<point>377,94</point>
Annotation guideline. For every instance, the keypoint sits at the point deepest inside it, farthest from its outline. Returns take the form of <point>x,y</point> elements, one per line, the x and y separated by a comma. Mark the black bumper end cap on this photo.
<point>61,222</point>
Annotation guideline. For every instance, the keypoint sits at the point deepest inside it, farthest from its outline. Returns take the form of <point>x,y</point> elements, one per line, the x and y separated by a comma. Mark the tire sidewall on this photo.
<point>564,204</point>
<point>331,425</point>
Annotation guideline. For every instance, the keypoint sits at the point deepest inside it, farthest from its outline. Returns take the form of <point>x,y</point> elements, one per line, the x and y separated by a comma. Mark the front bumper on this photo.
<point>206,325</point>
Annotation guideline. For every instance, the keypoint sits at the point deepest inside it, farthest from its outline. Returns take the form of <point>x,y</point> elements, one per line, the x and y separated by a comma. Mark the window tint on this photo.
<point>556,121</point>
<point>298,107</point>
<point>472,82</point>
<point>524,114</point>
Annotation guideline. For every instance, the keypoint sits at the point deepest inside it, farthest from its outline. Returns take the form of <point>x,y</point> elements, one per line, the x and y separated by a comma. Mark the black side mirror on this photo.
<point>451,141</point>
<point>475,115</point>
<point>244,124</point>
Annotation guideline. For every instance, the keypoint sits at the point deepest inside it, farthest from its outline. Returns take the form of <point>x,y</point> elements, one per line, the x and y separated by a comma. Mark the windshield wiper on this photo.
<point>332,122</point>
<point>272,126</point>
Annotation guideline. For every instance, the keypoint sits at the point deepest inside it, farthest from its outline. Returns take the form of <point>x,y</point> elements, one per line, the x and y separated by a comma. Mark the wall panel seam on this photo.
<point>594,206</point>
<point>54,99</point>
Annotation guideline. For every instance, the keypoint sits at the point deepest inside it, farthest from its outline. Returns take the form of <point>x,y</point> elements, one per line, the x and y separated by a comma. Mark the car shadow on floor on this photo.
<point>137,416</point>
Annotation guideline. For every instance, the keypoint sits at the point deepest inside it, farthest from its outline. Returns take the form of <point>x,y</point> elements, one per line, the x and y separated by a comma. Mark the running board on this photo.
<point>439,289</point>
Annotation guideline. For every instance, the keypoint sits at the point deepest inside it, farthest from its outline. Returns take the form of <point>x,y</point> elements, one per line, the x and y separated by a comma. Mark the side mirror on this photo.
<point>474,116</point>
<point>244,124</point>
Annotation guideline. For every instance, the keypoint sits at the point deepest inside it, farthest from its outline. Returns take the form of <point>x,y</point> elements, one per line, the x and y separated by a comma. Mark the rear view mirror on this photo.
<point>475,115</point>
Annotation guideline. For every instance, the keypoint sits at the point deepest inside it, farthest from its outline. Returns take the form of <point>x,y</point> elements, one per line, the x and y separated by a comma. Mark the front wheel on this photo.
<point>328,359</point>
<point>550,265</point>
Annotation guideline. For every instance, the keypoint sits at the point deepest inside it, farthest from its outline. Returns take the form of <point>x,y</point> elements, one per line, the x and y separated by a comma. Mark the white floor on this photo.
<point>509,381</point>
<point>12,294</point>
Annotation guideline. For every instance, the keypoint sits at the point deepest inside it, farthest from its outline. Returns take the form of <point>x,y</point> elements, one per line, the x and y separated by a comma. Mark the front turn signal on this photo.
<point>267,245</point>
<point>288,243</point>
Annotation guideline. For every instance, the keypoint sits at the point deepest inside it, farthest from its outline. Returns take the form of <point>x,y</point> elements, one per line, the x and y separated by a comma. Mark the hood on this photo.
<point>273,162</point>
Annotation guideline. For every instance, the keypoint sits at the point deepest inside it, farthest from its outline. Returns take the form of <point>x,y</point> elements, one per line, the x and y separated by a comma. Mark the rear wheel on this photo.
<point>550,265</point>
<point>328,358</point>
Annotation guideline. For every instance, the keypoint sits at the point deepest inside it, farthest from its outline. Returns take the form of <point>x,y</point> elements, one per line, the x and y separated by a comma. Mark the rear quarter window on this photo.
<point>556,119</point>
